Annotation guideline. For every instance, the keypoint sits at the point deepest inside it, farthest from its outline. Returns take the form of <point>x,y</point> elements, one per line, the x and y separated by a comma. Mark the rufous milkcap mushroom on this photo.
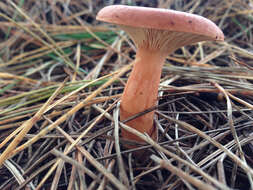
<point>156,33</point>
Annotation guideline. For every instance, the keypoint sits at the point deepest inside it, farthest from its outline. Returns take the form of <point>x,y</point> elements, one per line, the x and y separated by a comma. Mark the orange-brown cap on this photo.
<point>161,19</point>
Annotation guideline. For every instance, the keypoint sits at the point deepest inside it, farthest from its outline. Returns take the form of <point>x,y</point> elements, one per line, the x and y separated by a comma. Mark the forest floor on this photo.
<point>60,84</point>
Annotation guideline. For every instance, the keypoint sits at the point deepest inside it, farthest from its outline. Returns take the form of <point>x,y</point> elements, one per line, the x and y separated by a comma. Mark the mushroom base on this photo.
<point>138,124</point>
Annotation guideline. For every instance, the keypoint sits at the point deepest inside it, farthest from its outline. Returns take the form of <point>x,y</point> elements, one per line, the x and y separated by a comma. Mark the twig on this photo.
<point>198,183</point>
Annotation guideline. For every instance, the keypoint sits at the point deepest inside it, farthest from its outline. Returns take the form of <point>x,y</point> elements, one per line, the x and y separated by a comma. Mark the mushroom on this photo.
<point>156,33</point>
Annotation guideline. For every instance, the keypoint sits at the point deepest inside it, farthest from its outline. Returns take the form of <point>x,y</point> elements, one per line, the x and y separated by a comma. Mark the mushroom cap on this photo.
<point>161,19</point>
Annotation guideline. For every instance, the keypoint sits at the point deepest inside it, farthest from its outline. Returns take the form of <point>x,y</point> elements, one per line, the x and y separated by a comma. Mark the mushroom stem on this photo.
<point>141,92</point>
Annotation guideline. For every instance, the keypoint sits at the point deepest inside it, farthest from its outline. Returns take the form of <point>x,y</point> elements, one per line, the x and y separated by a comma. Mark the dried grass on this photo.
<point>62,74</point>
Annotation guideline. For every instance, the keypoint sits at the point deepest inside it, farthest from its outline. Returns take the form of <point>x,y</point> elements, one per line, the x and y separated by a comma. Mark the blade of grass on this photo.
<point>27,126</point>
<point>73,110</point>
